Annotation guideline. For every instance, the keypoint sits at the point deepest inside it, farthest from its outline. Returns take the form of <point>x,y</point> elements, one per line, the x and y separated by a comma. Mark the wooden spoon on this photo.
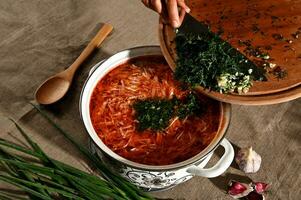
<point>55,87</point>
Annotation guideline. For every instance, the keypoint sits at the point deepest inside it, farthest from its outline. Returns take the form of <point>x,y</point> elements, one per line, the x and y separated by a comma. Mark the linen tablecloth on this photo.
<point>39,38</point>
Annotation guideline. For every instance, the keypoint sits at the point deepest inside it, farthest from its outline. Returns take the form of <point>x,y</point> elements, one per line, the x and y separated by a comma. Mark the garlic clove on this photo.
<point>252,191</point>
<point>238,190</point>
<point>260,187</point>
<point>248,160</point>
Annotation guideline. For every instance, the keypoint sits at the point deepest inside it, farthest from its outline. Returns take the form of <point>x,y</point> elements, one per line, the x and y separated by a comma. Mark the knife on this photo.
<point>192,26</point>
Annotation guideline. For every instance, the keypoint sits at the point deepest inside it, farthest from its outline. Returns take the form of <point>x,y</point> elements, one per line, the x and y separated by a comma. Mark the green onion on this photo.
<point>31,170</point>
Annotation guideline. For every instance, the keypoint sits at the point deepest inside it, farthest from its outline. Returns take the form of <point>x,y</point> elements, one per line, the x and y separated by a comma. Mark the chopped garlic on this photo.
<point>272,65</point>
<point>234,82</point>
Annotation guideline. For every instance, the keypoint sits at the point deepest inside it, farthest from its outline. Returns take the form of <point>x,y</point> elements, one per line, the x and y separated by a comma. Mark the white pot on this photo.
<point>151,177</point>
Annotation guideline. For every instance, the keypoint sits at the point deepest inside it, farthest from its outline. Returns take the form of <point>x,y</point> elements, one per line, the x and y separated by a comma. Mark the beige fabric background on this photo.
<point>41,37</point>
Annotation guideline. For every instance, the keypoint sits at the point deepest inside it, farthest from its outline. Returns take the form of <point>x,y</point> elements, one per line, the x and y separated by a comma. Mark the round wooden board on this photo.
<point>267,99</point>
<point>238,21</point>
<point>255,100</point>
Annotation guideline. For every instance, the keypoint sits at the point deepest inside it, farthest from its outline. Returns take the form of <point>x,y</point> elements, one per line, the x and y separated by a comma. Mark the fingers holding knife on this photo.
<point>172,11</point>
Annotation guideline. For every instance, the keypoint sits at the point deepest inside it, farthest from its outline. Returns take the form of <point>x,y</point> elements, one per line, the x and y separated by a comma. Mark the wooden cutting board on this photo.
<point>253,100</point>
<point>266,99</point>
<point>272,27</point>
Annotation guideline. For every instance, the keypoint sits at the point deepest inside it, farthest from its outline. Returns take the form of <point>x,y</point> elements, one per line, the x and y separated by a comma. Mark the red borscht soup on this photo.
<point>113,116</point>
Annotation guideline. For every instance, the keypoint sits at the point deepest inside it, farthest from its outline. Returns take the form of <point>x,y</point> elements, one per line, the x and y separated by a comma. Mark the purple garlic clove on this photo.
<point>238,190</point>
<point>260,187</point>
<point>248,160</point>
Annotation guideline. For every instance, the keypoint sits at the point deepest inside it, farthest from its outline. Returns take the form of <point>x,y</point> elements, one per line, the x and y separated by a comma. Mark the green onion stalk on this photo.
<point>39,176</point>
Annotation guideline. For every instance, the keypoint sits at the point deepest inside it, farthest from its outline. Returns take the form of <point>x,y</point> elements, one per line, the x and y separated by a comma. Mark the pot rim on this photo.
<point>152,50</point>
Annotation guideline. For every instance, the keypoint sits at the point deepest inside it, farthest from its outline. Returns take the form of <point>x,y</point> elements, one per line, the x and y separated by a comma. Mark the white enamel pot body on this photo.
<point>151,177</point>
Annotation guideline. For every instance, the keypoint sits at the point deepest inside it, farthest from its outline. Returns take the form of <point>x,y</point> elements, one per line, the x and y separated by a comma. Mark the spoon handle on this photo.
<point>95,43</point>
<point>102,34</point>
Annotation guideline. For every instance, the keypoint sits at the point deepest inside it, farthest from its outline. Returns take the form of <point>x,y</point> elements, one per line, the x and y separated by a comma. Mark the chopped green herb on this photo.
<point>277,36</point>
<point>264,56</point>
<point>155,114</point>
<point>190,106</point>
<point>296,34</point>
<point>279,73</point>
<point>204,60</point>
<point>255,28</point>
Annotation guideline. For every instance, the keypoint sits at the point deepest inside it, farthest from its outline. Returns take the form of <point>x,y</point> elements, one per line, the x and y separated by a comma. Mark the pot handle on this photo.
<point>220,167</point>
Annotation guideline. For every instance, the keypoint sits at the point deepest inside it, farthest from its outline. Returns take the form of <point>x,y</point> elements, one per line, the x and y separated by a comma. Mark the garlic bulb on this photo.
<point>248,160</point>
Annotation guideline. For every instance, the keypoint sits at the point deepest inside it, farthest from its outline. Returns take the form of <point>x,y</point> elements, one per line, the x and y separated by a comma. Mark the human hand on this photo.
<point>168,9</point>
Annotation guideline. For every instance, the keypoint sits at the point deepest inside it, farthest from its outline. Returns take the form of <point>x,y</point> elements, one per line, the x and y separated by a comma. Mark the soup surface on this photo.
<point>113,116</point>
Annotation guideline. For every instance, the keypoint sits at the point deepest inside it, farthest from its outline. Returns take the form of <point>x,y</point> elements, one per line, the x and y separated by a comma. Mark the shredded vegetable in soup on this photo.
<point>114,119</point>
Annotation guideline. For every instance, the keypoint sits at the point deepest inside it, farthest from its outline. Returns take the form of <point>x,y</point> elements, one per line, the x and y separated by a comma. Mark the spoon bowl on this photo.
<point>55,87</point>
<point>52,89</point>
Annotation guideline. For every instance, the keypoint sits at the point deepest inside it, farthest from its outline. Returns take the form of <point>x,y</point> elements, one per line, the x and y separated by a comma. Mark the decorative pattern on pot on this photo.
<point>151,180</point>
<point>148,180</point>
<point>161,180</point>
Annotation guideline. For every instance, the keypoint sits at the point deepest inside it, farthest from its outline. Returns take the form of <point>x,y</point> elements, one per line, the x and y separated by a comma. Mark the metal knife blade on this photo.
<point>192,26</point>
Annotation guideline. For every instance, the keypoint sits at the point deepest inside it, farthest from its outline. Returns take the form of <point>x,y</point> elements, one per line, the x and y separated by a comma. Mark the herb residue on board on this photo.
<point>156,114</point>
<point>214,64</point>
